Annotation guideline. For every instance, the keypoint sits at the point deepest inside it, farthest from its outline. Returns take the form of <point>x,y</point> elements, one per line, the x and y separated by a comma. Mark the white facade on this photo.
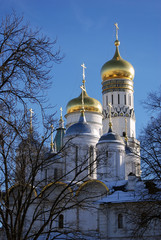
<point>99,168</point>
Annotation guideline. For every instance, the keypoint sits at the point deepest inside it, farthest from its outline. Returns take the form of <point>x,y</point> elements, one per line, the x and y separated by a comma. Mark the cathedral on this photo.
<point>95,176</point>
<point>99,158</point>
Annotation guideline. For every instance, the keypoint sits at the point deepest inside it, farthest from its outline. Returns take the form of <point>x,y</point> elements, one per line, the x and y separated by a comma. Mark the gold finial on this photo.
<point>126,137</point>
<point>117,28</point>
<point>52,144</point>
<point>83,90</point>
<point>110,120</point>
<point>84,67</point>
<point>31,112</point>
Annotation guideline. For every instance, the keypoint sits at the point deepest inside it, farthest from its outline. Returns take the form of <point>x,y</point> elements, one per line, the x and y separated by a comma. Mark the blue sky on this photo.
<point>85,33</point>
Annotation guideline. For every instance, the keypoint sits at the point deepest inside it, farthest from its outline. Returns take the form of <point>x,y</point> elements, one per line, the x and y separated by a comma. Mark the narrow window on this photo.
<point>118,98</point>
<point>61,221</point>
<point>55,173</point>
<point>76,160</point>
<point>46,176</point>
<point>91,154</point>
<point>124,134</point>
<point>106,100</point>
<point>125,99</point>
<point>120,221</point>
<point>107,154</point>
<point>144,218</point>
<point>112,98</point>
<point>130,100</point>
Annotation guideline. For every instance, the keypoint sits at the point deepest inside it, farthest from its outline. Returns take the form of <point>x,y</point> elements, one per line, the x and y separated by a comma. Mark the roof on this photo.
<point>81,128</point>
<point>111,137</point>
<point>141,193</point>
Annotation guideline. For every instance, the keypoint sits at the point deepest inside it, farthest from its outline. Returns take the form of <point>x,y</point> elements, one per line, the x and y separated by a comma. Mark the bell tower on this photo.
<point>117,90</point>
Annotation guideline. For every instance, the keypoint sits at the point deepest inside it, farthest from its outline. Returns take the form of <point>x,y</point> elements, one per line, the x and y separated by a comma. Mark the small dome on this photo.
<point>111,137</point>
<point>90,104</point>
<point>81,127</point>
<point>117,67</point>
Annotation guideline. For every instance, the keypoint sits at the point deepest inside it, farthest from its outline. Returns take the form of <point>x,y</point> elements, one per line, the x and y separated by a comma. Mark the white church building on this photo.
<point>96,170</point>
<point>100,159</point>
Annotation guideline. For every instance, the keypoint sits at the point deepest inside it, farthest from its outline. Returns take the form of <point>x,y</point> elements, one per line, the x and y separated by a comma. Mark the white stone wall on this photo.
<point>107,98</point>
<point>118,125</point>
<point>111,167</point>
<point>84,142</point>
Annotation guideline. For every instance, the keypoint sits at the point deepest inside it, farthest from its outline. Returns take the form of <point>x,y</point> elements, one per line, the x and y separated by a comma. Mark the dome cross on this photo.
<point>117,28</point>
<point>83,90</point>
<point>84,67</point>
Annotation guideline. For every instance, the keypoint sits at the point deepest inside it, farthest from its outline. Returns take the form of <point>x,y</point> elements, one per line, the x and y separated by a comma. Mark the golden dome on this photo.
<point>117,67</point>
<point>90,104</point>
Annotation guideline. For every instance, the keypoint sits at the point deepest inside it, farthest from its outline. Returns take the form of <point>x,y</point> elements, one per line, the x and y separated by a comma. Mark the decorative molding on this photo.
<point>119,112</point>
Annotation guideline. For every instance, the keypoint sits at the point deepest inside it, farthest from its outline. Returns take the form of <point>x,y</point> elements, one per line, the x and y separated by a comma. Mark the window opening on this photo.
<point>124,134</point>
<point>130,100</point>
<point>125,99</point>
<point>55,173</point>
<point>76,160</point>
<point>106,100</point>
<point>118,98</point>
<point>120,221</point>
<point>91,154</point>
<point>46,176</point>
<point>61,221</point>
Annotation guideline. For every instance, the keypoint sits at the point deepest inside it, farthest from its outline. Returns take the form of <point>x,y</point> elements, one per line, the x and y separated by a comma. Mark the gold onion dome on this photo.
<point>90,104</point>
<point>117,67</point>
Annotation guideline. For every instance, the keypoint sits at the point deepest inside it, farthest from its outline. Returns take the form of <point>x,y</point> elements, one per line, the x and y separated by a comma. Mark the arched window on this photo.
<point>91,160</point>
<point>76,160</point>
<point>61,221</point>
<point>124,134</point>
<point>118,98</point>
<point>112,98</point>
<point>107,100</point>
<point>55,173</point>
<point>46,176</point>
<point>130,100</point>
<point>120,220</point>
<point>125,99</point>
<point>144,218</point>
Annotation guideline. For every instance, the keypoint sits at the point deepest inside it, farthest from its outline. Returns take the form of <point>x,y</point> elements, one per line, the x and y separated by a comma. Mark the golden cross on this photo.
<point>31,112</point>
<point>117,28</point>
<point>52,144</point>
<point>110,121</point>
<point>83,90</point>
<point>84,67</point>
